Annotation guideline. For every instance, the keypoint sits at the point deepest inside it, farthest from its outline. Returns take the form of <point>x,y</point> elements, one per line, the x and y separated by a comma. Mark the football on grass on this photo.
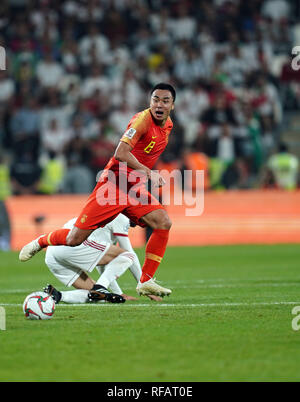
<point>38,306</point>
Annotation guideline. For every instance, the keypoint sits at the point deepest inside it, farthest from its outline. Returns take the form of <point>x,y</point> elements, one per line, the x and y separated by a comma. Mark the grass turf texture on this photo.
<point>228,319</point>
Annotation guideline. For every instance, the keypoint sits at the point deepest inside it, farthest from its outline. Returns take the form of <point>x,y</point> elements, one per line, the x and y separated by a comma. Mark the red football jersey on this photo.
<point>147,139</point>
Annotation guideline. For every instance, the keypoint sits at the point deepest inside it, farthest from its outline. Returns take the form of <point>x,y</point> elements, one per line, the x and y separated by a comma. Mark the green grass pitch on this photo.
<point>229,318</point>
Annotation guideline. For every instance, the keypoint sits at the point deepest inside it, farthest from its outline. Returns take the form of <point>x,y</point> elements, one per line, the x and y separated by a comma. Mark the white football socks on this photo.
<point>75,296</point>
<point>136,269</point>
<point>115,288</point>
<point>115,269</point>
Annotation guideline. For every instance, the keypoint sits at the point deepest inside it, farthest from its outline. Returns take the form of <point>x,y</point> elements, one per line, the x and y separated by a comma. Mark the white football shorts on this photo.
<point>67,263</point>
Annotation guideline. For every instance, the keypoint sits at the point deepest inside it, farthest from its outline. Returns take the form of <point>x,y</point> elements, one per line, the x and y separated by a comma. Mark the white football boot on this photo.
<point>150,287</point>
<point>29,250</point>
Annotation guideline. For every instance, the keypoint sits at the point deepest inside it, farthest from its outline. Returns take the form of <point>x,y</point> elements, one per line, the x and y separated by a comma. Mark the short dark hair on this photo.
<point>167,87</point>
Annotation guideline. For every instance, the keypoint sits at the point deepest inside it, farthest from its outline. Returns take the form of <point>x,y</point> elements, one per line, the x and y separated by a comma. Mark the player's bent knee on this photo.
<point>158,219</point>
<point>77,236</point>
<point>112,253</point>
<point>166,224</point>
<point>73,240</point>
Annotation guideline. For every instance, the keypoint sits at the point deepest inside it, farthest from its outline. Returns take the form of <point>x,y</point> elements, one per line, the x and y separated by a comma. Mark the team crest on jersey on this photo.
<point>129,133</point>
<point>83,219</point>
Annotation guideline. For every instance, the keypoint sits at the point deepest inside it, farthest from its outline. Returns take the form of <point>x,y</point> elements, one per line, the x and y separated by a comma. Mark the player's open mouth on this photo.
<point>159,113</point>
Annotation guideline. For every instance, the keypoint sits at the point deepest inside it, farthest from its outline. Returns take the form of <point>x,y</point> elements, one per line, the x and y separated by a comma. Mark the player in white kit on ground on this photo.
<point>71,265</point>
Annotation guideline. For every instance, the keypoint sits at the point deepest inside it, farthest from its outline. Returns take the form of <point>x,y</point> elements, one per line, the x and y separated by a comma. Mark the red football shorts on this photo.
<point>108,200</point>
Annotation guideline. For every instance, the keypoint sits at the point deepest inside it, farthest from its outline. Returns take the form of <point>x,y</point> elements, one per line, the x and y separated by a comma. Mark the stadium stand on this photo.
<point>78,70</point>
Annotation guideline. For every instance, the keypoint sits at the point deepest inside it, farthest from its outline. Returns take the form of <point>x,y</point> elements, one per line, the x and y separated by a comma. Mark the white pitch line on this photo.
<point>183,285</point>
<point>170,305</point>
<point>12,291</point>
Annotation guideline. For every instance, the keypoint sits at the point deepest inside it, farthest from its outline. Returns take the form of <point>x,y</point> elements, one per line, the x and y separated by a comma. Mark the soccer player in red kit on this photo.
<point>140,146</point>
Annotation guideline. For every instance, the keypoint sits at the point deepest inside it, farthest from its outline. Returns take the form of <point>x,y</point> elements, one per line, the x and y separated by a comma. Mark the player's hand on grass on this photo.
<point>155,298</point>
<point>127,297</point>
<point>151,297</point>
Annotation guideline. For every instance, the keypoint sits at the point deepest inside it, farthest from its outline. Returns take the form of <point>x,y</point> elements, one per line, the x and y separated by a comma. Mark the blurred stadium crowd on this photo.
<point>77,71</point>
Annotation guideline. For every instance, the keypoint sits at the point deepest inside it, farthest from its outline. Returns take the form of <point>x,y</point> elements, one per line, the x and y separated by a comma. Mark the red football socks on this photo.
<point>155,250</point>
<point>56,238</point>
